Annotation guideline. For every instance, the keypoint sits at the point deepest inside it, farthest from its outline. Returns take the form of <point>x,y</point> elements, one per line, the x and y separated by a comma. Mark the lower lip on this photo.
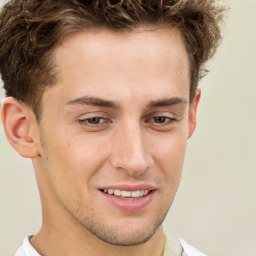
<point>129,204</point>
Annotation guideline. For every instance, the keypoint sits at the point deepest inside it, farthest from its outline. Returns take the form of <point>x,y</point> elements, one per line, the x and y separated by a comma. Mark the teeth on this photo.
<point>122,193</point>
<point>117,192</point>
<point>135,193</point>
<point>110,191</point>
<point>126,194</point>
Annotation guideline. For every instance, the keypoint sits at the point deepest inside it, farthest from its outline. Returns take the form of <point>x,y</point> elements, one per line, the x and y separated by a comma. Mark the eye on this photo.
<point>94,122</point>
<point>161,123</point>
<point>161,120</point>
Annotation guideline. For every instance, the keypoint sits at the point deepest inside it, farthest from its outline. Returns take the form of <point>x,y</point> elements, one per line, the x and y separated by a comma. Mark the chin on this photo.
<point>128,233</point>
<point>124,238</point>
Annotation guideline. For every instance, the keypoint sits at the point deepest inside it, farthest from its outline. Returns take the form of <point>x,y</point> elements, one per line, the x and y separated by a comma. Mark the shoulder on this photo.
<point>27,249</point>
<point>189,250</point>
<point>178,247</point>
<point>20,252</point>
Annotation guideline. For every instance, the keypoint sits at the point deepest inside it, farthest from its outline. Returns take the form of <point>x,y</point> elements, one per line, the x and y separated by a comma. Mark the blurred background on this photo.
<point>215,208</point>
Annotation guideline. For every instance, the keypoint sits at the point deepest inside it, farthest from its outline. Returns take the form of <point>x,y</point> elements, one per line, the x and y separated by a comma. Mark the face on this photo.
<point>114,130</point>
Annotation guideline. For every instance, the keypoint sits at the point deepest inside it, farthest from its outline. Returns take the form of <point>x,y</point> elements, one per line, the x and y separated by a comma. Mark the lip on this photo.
<point>129,204</point>
<point>130,187</point>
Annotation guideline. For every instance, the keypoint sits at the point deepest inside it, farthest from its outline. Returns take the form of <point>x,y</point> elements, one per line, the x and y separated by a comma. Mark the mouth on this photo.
<point>126,194</point>
<point>129,199</point>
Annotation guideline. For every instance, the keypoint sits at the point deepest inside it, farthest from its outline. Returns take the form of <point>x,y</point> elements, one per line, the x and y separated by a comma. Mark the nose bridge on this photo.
<point>130,152</point>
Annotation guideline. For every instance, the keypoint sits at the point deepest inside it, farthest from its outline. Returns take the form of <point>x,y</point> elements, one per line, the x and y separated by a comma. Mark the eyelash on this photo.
<point>87,120</point>
<point>170,120</point>
<point>102,122</point>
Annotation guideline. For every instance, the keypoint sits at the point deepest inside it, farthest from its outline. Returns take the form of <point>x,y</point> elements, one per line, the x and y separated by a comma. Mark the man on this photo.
<point>102,96</point>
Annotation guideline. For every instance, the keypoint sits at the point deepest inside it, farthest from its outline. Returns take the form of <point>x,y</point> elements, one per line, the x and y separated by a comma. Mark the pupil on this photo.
<point>94,120</point>
<point>159,119</point>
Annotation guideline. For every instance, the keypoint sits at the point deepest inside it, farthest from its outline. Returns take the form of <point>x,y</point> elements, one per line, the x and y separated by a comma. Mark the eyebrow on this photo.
<point>94,101</point>
<point>167,102</point>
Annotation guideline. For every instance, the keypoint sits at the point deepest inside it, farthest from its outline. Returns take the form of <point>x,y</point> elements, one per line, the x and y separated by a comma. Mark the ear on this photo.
<point>193,112</point>
<point>20,126</point>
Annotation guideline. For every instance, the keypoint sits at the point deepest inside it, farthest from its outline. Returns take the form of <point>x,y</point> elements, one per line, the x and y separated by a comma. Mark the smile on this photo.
<point>126,194</point>
<point>129,198</point>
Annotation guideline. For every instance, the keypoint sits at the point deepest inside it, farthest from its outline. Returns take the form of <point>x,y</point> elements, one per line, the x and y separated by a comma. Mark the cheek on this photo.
<point>170,162</point>
<point>169,155</point>
<point>69,169</point>
<point>76,160</point>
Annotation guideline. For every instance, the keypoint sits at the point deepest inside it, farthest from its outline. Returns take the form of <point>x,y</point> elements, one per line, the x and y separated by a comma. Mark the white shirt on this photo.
<point>27,249</point>
<point>183,249</point>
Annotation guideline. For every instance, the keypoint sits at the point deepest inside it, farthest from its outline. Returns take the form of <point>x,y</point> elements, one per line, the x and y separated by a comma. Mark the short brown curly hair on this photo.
<point>30,29</point>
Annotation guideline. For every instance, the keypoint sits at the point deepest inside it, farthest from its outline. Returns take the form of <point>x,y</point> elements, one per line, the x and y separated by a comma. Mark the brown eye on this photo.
<point>160,119</point>
<point>94,120</point>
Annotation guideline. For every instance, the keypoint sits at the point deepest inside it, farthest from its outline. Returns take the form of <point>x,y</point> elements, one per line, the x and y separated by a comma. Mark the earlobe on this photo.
<point>193,112</point>
<point>20,127</point>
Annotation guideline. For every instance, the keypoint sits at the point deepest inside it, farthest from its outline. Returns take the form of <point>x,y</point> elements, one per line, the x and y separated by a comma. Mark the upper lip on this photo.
<point>130,187</point>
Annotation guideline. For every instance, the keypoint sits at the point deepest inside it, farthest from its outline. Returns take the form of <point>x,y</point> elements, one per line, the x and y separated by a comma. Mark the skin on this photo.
<point>139,136</point>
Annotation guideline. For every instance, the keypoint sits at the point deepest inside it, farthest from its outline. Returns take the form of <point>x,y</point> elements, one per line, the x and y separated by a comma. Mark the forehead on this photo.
<point>159,45</point>
<point>110,64</point>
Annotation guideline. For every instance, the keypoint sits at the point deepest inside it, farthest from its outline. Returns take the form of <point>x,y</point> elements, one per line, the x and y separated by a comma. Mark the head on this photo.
<point>31,30</point>
<point>104,98</point>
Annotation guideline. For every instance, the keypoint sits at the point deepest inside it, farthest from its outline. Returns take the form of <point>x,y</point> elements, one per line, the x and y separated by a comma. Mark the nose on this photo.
<point>130,152</point>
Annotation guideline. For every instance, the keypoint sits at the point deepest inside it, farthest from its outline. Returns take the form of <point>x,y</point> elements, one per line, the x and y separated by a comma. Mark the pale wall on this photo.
<point>215,207</point>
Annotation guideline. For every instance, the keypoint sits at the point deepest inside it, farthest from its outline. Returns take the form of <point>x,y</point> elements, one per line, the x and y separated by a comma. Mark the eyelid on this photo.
<point>96,127</point>
<point>90,118</point>
<point>92,114</point>
<point>166,126</point>
<point>170,119</point>
<point>84,120</point>
<point>161,114</point>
